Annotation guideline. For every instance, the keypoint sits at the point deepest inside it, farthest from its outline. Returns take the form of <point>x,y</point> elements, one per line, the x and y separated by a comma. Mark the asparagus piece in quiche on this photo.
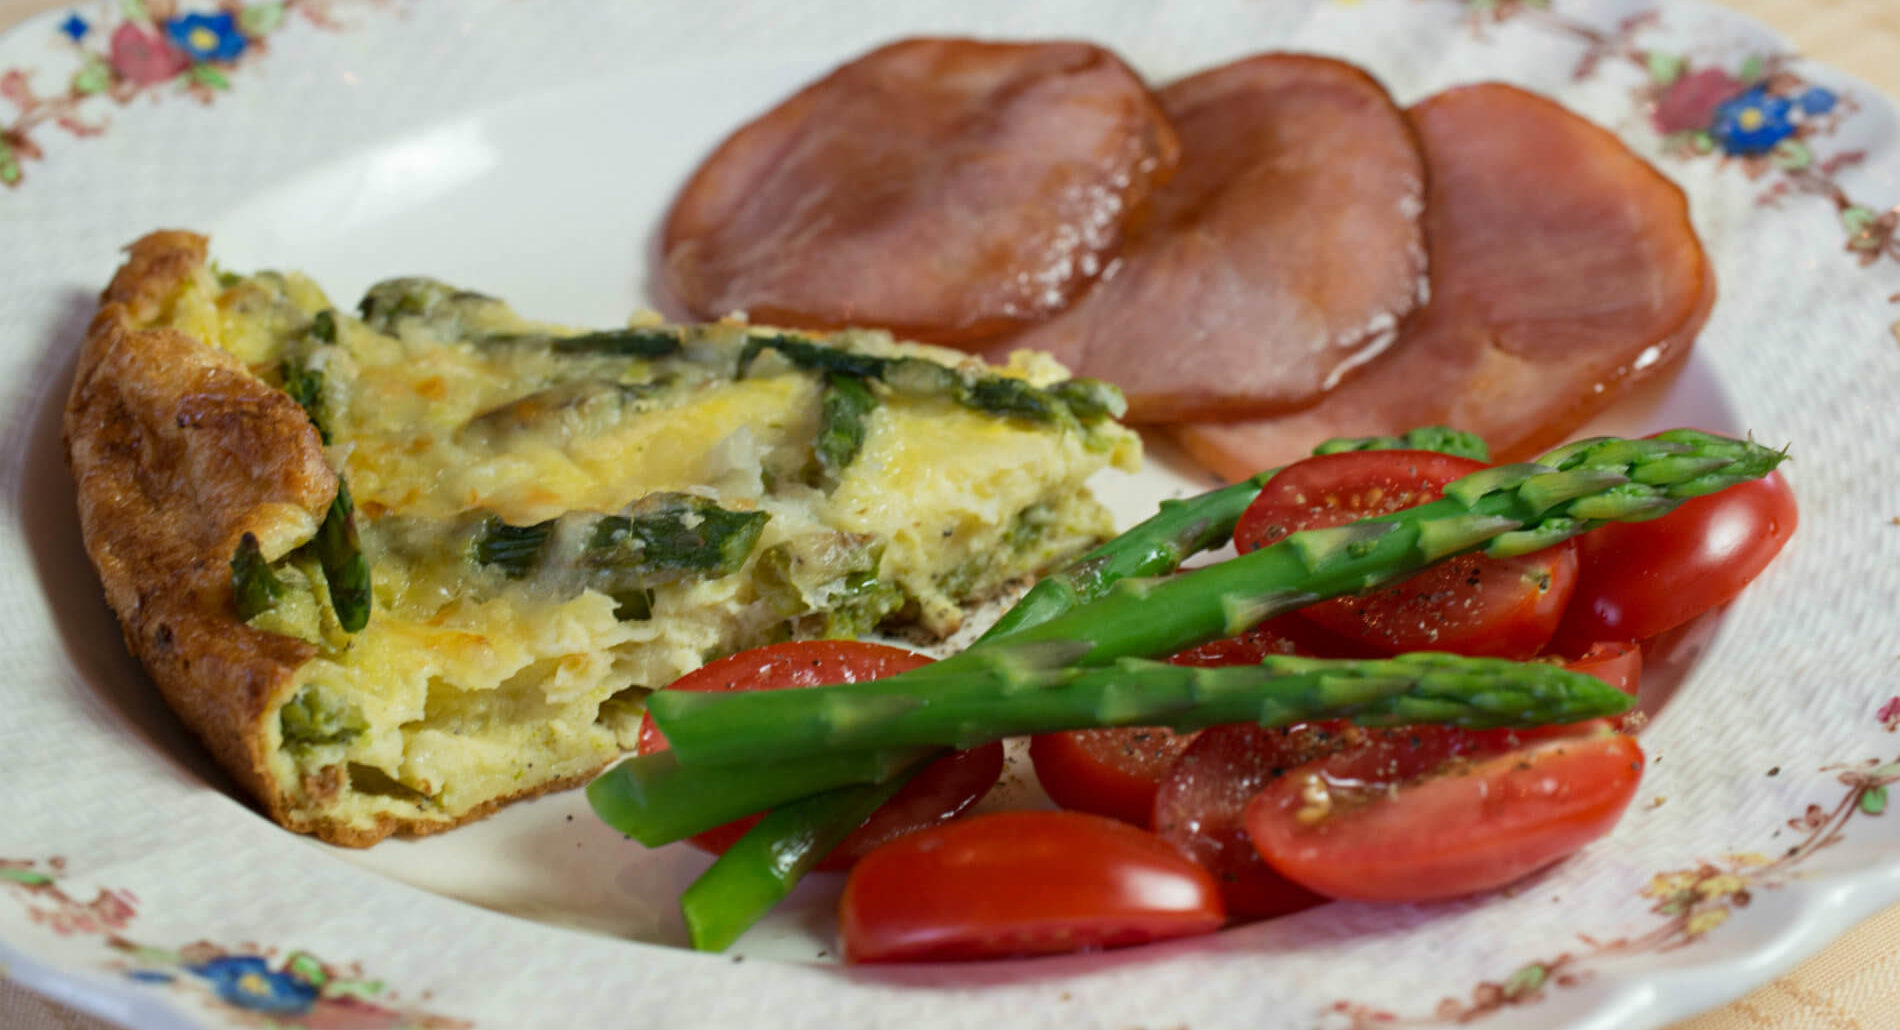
<point>1077,400</point>
<point>345,568</point>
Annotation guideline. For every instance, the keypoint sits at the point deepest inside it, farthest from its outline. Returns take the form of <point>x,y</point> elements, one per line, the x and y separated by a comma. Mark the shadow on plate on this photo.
<point>48,515</point>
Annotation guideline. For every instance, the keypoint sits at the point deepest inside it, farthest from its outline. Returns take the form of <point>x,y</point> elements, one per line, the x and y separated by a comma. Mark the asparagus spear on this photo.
<point>512,549</point>
<point>985,705</point>
<point>666,537</point>
<point>763,866</point>
<point>1506,510</point>
<point>655,800</point>
<point>302,381</point>
<point>648,343</point>
<point>847,406</point>
<point>662,538</point>
<point>1080,400</point>
<point>1428,438</point>
<point>345,568</point>
<point>254,587</point>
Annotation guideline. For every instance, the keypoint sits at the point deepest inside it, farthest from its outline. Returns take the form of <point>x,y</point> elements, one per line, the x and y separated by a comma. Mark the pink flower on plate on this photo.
<point>145,58</point>
<point>1689,103</point>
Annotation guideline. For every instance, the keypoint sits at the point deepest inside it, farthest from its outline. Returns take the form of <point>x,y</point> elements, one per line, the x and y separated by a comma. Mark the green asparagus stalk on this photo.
<point>345,568</point>
<point>511,549</point>
<point>666,537</point>
<point>984,705</point>
<point>304,383</point>
<point>763,866</point>
<point>847,406</point>
<point>1075,400</point>
<point>1443,439</point>
<point>662,538</point>
<point>656,800</point>
<point>254,587</point>
<point>649,343</point>
<point>1506,510</point>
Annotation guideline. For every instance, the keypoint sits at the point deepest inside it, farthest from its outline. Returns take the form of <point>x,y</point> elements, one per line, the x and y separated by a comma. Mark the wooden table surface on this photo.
<point>1855,983</point>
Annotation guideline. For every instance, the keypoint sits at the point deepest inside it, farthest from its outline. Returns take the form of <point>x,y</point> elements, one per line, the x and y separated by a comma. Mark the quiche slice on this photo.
<point>399,566</point>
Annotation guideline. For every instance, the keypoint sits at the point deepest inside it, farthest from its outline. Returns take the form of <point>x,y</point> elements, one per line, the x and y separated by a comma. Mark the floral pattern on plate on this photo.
<point>148,47</point>
<point>253,985</point>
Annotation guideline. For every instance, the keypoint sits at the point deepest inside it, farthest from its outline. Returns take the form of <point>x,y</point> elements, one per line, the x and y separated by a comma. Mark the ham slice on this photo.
<point>1279,258</point>
<point>1564,271</point>
<point>946,189</point>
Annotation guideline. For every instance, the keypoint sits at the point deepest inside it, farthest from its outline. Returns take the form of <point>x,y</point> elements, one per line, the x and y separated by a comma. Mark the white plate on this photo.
<point>528,149</point>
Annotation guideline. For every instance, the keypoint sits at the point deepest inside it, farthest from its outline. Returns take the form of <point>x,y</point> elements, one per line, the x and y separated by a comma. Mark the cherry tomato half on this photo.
<point>940,792</point>
<point>1474,825</point>
<point>1471,605</point>
<point>1110,772</point>
<point>1618,664</point>
<point>1637,579</point>
<point>1021,883</point>
<point>1200,808</point>
<point>1115,772</point>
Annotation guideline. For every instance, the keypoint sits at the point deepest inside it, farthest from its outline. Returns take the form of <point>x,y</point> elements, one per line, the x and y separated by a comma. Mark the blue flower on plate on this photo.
<point>207,37</point>
<point>1753,122</point>
<point>1817,101</point>
<point>75,27</point>
<point>248,982</point>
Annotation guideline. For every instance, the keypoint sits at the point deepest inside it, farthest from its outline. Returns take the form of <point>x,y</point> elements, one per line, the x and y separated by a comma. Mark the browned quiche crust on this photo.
<point>177,451</point>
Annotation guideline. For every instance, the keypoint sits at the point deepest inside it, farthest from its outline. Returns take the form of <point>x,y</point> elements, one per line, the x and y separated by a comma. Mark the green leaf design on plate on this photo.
<point>360,989</point>
<point>1665,68</point>
<point>1702,142</point>
<point>1752,69</point>
<point>1873,800</point>
<point>261,19</point>
<point>135,10</point>
<point>308,967</point>
<point>1858,221</point>
<point>95,77</point>
<point>1526,980</point>
<point>25,877</point>
<point>209,77</point>
<point>1793,154</point>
